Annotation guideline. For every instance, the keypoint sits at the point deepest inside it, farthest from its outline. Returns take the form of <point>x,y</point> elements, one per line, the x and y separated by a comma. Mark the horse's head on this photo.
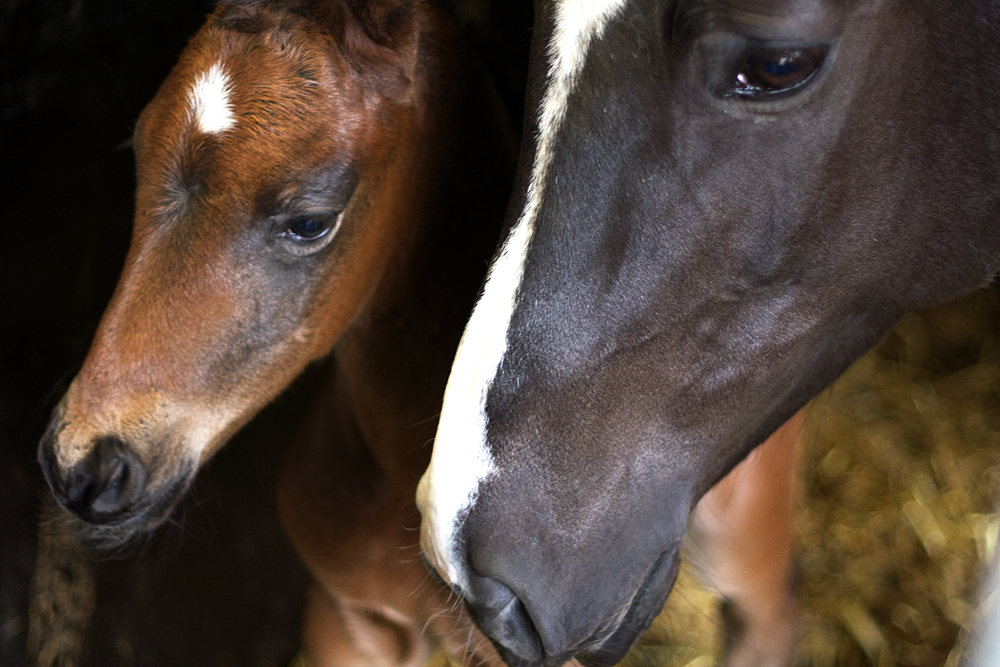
<point>272,169</point>
<point>721,204</point>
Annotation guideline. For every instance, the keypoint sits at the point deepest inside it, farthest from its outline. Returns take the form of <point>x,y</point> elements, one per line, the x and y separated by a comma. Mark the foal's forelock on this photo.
<point>462,458</point>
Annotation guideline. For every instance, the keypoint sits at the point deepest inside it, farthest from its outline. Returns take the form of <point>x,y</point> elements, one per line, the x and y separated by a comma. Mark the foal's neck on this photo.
<point>395,359</point>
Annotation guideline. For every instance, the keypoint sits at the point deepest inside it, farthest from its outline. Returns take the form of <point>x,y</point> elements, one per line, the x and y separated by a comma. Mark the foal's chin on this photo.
<point>129,528</point>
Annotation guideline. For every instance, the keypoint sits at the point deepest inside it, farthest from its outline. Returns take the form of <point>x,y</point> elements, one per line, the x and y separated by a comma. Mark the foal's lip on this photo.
<point>146,516</point>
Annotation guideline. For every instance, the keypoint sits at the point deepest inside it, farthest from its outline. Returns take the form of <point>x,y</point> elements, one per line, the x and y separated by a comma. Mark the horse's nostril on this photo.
<point>104,485</point>
<point>502,616</point>
<point>107,489</point>
<point>515,627</point>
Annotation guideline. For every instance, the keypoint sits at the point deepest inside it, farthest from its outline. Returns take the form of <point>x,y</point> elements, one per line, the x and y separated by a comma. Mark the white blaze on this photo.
<point>461,458</point>
<point>209,100</point>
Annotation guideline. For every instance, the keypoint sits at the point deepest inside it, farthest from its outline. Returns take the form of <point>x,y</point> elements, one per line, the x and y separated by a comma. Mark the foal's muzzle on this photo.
<point>105,487</point>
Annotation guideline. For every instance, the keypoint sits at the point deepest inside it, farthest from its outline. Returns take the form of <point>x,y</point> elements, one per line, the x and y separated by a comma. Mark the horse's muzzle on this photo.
<point>105,487</point>
<point>523,641</point>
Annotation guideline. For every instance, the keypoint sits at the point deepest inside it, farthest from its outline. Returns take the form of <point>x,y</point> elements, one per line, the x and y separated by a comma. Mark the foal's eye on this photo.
<point>306,234</point>
<point>308,228</point>
<point>775,70</point>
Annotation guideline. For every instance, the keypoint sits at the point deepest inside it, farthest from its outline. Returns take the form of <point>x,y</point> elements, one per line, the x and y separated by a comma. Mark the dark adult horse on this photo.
<point>313,174</point>
<point>720,205</point>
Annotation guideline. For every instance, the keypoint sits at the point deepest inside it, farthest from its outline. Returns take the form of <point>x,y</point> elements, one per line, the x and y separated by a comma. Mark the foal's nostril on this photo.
<point>98,488</point>
<point>106,484</point>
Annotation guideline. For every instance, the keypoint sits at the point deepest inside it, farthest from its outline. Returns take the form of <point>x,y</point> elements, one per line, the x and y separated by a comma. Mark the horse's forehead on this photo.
<point>209,100</point>
<point>238,112</point>
<point>230,83</point>
<point>258,82</point>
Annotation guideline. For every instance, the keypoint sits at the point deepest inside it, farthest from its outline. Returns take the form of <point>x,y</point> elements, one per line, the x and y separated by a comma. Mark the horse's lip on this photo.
<point>610,644</point>
<point>144,517</point>
<point>644,608</point>
<point>436,576</point>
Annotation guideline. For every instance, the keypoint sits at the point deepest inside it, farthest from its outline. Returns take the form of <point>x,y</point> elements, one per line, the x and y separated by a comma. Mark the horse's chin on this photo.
<point>130,527</point>
<point>644,608</point>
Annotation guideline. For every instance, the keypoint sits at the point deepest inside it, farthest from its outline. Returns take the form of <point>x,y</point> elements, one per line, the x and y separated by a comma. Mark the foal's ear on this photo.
<point>379,38</point>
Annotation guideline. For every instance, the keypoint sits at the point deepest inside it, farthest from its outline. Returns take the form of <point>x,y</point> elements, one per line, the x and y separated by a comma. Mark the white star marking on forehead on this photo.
<point>209,100</point>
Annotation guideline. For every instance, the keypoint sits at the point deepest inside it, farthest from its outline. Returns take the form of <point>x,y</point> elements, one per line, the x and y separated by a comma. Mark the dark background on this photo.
<point>220,585</point>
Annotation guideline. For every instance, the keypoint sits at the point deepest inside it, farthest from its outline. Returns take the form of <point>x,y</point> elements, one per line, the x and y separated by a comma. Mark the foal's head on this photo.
<point>273,167</point>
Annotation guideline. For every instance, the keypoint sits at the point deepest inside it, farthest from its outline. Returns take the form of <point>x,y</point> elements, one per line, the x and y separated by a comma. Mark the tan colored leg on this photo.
<point>378,616</point>
<point>741,540</point>
<point>373,602</point>
<point>336,635</point>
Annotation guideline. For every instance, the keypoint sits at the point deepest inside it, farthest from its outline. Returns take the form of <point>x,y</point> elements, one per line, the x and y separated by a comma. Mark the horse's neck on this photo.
<point>394,360</point>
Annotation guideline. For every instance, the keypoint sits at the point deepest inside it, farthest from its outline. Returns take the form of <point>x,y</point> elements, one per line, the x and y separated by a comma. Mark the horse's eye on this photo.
<point>772,70</point>
<point>303,235</point>
<point>309,227</point>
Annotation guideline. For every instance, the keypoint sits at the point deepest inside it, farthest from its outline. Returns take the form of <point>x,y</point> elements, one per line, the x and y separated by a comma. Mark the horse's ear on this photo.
<point>379,38</point>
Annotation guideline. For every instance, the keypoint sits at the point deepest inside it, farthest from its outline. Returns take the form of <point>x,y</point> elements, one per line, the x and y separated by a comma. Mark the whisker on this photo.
<point>424,421</point>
